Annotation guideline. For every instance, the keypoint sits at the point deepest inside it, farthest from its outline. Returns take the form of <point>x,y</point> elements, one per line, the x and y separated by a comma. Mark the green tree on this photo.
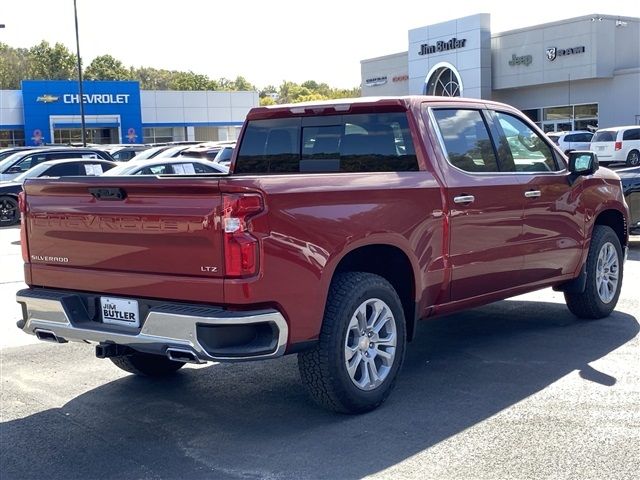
<point>14,66</point>
<point>265,101</point>
<point>106,67</point>
<point>51,63</point>
<point>242,84</point>
<point>267,91</point>
<point>188,81</point>
<point>152,78</point>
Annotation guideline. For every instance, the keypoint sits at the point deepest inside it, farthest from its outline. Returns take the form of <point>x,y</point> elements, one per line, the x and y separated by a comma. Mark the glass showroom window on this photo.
<point>443,80</point>
<point>570,117</point>
<point>164,134</point>
<point>11,138</point>
<point>586,116</point>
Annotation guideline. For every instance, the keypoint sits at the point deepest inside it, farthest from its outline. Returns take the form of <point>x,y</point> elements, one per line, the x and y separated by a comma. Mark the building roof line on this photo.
<point>592,17</point>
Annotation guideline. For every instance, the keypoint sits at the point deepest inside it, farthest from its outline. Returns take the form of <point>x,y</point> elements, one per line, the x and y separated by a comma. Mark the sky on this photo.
<point>264,41</point>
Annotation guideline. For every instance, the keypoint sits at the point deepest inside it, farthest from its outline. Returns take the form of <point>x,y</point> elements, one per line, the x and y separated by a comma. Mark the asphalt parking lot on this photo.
<point>519,389</point>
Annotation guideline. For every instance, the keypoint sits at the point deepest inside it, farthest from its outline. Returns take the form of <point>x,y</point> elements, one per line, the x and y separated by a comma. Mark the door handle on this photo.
<point>464,199</point>
<point>532,193</point>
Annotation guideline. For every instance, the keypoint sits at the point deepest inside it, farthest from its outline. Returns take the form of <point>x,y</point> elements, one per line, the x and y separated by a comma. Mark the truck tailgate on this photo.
<point>163,231</point>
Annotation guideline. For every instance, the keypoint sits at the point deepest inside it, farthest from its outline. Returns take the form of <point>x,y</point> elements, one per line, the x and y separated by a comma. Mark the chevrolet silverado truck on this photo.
<point>340,226</point>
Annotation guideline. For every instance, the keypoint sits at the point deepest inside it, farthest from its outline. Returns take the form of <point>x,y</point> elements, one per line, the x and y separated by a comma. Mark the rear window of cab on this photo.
<point>324,144</point>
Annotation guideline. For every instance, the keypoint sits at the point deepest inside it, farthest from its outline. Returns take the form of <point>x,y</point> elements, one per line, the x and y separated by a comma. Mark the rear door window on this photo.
<point>183,169</point>
<point>583,137</point>
<point>31,161</point>
<point>466,140</point>
<point>340,143</point>
<point>155,170</point>
<point>633,134</point>
<point>604,136</point>
<point>200,168</point>
<point>63,170</point>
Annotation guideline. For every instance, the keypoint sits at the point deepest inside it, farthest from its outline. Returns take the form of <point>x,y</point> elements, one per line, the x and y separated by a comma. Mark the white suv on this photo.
<point>569,141</point>
<point>617,144</point>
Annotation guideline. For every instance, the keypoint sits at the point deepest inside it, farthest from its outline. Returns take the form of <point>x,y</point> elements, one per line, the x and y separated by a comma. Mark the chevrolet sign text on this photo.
<point>104,98</point>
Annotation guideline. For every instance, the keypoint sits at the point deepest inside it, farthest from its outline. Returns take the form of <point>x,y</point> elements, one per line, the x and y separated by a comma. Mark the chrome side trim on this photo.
<point>532,193</point>
<point>160,329</point>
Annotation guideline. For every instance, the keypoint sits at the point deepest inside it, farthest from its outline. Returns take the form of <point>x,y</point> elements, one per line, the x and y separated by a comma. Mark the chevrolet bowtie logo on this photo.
<point>47,98</point>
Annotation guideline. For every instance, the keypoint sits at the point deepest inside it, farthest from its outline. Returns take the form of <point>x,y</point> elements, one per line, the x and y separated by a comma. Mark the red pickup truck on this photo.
<point>341,225</point>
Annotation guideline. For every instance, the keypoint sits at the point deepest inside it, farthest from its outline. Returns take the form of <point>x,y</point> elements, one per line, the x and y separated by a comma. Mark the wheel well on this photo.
<point>615,220</point>
<point>392,264</point>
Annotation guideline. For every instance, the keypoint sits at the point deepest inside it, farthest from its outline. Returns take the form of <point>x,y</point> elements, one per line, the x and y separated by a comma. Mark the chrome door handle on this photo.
<point>464,199</point>
<point>532,193</point>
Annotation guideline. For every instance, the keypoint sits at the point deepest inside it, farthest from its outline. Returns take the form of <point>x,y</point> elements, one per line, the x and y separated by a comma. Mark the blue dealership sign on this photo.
<point>51,104</point>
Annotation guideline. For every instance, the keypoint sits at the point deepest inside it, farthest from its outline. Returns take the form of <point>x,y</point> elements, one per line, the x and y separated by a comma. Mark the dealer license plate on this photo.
<point>120,311</point>
<point>600,148</point>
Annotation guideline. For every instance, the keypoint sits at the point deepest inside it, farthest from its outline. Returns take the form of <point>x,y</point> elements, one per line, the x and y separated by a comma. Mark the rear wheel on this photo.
<point>633,159</point>
<point>361,346</point>
<point>147,364</point>
<point>604,277</point>
<point>9,213</point>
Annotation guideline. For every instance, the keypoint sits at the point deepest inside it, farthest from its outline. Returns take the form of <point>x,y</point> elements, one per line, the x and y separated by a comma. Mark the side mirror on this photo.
<point>582,163</point>
<point>14,169</point>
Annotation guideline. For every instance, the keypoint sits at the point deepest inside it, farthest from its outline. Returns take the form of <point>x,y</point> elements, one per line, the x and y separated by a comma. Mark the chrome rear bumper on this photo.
<point>66,316</point>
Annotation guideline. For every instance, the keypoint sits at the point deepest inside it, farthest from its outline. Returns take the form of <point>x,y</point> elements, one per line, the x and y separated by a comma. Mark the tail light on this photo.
<point>22,206</point>
<point>618,146</point>
<point>241,249</point>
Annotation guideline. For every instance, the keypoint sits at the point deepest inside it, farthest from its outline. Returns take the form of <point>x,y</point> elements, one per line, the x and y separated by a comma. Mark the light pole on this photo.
<point>81,102</point>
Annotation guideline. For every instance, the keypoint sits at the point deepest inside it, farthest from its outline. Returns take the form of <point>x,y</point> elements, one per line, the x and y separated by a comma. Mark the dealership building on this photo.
<point>571,74</point>
<point>118,112</point>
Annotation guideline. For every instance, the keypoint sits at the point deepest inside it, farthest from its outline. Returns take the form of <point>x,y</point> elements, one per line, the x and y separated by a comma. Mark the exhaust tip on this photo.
<point>48,336</point>
<point>181,355</point>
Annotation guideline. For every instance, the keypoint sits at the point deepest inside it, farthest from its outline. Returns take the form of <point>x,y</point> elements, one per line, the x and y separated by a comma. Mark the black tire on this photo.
<point>9,212</point>
<point>323,369</point>
<point>588,305</point>
<point>147,364</point>
<point>633,158</point>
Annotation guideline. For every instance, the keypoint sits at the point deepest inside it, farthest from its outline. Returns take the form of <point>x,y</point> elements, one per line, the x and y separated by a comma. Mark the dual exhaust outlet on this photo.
<point>107,350</point>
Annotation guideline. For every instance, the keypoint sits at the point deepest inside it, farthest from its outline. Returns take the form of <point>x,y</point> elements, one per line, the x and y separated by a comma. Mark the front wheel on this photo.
<point>633,159</point>
<point>147,364</point>
<point>361,346</point>
<point>604,277</point>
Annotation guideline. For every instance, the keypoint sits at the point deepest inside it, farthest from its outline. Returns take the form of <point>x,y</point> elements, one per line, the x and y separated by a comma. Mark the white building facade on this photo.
<point>118,112</point>
<point>572,74</point>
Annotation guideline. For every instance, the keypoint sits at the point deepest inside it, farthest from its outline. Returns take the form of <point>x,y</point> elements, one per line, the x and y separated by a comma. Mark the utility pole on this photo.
<point>84,132</point>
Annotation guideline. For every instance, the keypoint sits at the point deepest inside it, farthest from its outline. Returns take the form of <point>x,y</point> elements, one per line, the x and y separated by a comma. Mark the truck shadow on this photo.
<point>254,420</point>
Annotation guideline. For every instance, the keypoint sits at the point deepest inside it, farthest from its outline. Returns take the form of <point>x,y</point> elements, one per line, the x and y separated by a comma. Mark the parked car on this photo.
<point>617,144</point>
<point>570,141</point>
<point>223,157</point>
<point>152,152</point>
<point>400,209</point>
<point>167,166</point>
<point>20,162</point>
<point>173,151</point>
<point>630,178</point>
<point>9,214</point>
<point>207,150</point>
<point>124,153</point>
<point>5,152</point>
